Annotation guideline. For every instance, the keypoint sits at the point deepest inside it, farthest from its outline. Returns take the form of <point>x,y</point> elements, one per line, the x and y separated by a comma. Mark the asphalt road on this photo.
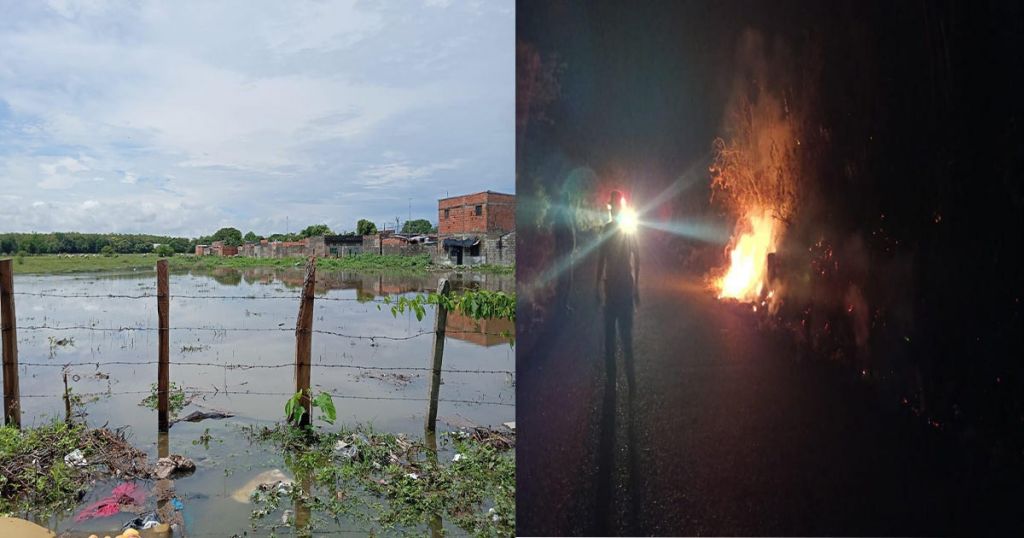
<point>731,435</point>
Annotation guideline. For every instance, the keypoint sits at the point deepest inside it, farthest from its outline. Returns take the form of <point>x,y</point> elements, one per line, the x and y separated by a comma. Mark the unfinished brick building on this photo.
<point>476,228</point>
<point>217,248</point>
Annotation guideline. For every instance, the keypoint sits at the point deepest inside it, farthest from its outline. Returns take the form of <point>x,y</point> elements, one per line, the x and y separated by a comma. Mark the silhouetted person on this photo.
<point>618,271</point>
<point>618,266</point>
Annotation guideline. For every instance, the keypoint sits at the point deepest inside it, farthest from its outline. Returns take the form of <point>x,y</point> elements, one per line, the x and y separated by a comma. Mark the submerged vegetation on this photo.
<point>176,400</point>
<point>390,481</point>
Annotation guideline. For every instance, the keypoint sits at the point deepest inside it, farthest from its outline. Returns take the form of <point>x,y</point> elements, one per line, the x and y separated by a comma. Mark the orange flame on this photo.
<point>747,273</point>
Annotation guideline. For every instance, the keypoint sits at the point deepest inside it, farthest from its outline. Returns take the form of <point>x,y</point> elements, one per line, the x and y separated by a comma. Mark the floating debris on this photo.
<point>173,465</point>
<point>244,493</point>
<point>196,416</point>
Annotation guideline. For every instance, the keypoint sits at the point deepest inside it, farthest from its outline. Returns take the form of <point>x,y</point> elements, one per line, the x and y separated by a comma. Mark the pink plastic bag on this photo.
<point>126,493</point>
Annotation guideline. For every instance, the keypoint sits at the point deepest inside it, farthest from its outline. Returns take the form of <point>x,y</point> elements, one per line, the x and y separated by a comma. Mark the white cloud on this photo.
<point>326,111</point>
<point>394,174</point>
<point>62,173</point>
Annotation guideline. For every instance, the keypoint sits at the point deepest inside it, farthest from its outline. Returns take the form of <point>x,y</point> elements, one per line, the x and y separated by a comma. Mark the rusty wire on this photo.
<point>176,296</point>
<point>246,329</point>
<point>250,366</point>
<point>260,393</point>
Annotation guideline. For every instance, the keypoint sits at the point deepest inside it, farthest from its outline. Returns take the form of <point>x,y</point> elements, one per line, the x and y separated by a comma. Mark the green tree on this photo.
<point>164,251</point>
<point>250,237</point>
<point>417,226</point>
<point>230,236</point>
<point>365,227</point>
<point>180,245</point>
<point>316,230</point>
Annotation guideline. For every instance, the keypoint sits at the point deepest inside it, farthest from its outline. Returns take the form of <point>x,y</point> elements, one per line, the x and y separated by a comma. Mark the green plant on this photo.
<point>316,230</point>
<point>394,481</point>
<point>34,475</point>
<point>205,438</point>
<point>175,398</point>
<point>365,227</point>
<point>480,304</point>
<point>417,226</point>
<point>164,251</point>
<point>293,409</point>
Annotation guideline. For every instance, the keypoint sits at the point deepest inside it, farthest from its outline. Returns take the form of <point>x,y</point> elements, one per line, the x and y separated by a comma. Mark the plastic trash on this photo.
<point>143,522</point>
<point>413,476</point>
<point>178,505</point>
<point>349,452</point>
<point>75,458</point>
<point>244,493</point>
<point>457,457</point>
<point>126,494</point>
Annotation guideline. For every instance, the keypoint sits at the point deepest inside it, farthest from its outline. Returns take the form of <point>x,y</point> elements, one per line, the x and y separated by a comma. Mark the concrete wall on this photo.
<point>494,249</point>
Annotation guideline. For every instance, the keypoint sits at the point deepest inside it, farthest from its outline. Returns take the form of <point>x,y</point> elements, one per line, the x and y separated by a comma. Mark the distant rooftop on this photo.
<point>472,193</point>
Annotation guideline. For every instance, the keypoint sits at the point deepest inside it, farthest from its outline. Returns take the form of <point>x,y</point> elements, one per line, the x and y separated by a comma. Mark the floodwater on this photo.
<point>229,317</point>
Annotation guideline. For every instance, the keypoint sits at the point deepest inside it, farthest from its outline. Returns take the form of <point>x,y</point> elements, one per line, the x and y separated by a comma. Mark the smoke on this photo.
<point>759,162</point>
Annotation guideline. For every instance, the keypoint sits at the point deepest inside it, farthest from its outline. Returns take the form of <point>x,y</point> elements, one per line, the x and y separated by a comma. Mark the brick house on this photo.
<point>335,246</point>
<point>217,248</point>
<point>476,228</point>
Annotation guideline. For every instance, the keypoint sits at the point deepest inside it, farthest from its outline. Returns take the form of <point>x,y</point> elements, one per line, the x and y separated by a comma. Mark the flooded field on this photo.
<point>232,350</point>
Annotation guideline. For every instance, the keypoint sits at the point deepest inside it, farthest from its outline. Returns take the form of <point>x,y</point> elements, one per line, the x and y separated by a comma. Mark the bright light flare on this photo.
<point>748,260</point>
<point>627,218</point>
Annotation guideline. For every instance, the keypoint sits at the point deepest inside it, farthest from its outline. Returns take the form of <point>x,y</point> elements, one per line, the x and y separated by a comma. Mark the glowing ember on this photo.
<point>747,273</point>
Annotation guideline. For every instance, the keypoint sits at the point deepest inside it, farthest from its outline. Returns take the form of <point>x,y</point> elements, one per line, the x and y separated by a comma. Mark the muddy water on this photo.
<point>231,317</point>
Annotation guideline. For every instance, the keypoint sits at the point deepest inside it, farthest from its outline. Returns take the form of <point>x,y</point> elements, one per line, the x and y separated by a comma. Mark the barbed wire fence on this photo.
<point>302,362</point>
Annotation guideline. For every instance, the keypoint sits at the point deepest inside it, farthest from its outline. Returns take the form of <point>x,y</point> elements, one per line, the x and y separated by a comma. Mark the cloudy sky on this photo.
<point>182,117</point>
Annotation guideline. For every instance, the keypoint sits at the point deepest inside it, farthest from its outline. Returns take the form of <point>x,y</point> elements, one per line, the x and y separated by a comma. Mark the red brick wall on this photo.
<point>498,213</point>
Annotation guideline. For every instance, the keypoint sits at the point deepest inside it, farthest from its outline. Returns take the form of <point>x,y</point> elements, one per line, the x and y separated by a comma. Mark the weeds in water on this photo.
<point>204,440</point>
<point>392,481</point>
<point>60,342</point>
<point>293,409</point>
<point>176,400</point>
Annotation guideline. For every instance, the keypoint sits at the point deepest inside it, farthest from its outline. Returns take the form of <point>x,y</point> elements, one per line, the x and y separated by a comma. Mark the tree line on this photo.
<point>111,243</point>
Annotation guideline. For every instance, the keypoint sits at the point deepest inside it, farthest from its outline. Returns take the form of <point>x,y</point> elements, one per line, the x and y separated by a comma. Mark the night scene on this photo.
<point>769,268</point>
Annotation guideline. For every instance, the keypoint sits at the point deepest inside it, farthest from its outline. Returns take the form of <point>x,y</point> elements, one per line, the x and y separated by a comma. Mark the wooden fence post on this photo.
<point>8,328</point>
<point>304,341</point>
<point>67,397</point>
<point>440,322</point>
<point>163,362</point>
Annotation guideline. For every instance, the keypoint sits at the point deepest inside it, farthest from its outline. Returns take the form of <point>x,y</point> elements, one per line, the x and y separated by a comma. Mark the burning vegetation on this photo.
<point>756,174</point>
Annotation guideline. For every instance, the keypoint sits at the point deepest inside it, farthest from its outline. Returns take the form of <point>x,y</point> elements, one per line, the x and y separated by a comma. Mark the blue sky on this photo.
<point>183,117</point>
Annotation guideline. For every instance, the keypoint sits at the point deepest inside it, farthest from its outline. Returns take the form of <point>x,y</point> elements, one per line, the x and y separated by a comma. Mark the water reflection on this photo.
<point>210,332</point>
